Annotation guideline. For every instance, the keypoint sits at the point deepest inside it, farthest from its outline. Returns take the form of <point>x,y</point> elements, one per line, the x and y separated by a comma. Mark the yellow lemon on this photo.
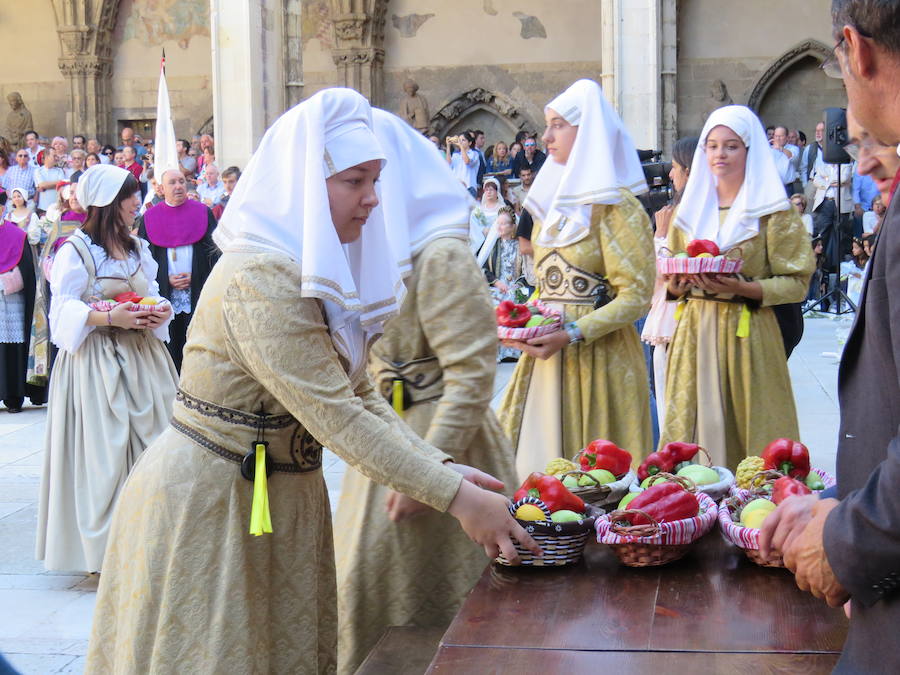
<point>530,512</point>
<point>704,255</point>
<point>755,518</point>
<point>765,505</point>
<point>150,301</point>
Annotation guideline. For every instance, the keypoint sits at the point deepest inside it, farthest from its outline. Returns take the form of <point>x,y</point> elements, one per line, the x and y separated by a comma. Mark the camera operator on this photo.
<point>845,546</point>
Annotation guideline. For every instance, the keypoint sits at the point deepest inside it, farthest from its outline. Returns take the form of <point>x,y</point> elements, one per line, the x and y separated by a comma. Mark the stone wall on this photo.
<point>738,42</point>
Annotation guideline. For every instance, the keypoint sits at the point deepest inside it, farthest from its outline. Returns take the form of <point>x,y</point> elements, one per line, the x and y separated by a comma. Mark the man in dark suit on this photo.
<point>180,234</point>
<point>846,545</point>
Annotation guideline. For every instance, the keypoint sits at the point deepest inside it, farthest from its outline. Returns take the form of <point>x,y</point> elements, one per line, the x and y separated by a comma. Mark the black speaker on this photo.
<point>835,137</point>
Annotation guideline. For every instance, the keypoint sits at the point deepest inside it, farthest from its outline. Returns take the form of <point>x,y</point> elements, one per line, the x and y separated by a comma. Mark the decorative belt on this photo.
<point>231,415</point>
<point>569,284</point>
<point>422,379</point>
<point>697,294</point>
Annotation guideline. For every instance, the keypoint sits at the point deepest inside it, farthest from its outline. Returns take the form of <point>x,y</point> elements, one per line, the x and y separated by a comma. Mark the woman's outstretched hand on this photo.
<point>485,517</point>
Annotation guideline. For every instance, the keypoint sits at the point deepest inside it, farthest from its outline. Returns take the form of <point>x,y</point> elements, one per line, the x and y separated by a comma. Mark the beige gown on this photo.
<point>598,388</point>
<point>186,588</point>
<point>444,344</point>
<point>733,395</point>
<point>102,413</point>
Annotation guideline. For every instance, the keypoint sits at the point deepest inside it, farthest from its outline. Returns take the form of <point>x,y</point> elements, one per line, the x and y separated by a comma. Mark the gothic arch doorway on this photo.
<point>481,109</point>
<point>793,90</point>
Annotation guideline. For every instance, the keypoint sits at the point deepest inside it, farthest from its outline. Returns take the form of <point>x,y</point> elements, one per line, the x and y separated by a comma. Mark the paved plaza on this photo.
<point>45,617</point>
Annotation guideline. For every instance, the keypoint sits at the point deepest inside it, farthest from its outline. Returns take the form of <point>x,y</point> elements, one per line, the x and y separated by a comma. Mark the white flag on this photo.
<point>165,156</point>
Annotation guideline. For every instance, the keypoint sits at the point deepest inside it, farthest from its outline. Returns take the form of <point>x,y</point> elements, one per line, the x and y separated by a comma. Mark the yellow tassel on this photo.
<point>743,329</point>
<point>397,397</point>
<point>535,296</point>
<point>679,310</point>
<point>260,517</point>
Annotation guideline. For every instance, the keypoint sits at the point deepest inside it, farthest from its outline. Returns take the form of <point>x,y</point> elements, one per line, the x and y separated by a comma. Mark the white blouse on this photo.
<point>69,280</point>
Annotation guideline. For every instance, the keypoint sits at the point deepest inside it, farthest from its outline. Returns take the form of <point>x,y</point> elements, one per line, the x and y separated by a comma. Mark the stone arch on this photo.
<point>358,50</point>
<point>797,53</point>
<point>473,101</point>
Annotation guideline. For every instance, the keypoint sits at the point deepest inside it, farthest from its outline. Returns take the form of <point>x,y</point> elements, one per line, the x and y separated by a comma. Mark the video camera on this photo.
<point>656,172</point>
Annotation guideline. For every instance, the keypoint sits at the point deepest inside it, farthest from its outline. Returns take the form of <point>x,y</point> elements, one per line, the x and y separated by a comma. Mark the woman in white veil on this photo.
<point>727,383</point>
<point>211,566</point>
<point>593,252</point>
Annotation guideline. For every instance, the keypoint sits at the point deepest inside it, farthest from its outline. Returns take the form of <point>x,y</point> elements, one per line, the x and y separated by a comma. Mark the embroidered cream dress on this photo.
<point>598,388</point>
<point>111,395</point>
<point>442,346</point>
<point>185,587</point>
<point>730,394</point>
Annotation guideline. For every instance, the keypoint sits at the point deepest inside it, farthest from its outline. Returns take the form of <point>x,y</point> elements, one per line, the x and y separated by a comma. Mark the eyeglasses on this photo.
<point>832,65</point>
<point>22,155</point>
<point>868,144</point>
<point>109,153</point>
<point>529,145</point>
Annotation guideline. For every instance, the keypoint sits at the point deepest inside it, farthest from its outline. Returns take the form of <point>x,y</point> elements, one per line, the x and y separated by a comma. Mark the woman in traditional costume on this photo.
<point>482,233</point>
<point>440,349</point>
<point>113,383</point>
<point>274,367</point>
<point>20,214</point>
<point>727,383</point>
<point>55,227</point>
<point>17,286</point>
<point>593,252</point>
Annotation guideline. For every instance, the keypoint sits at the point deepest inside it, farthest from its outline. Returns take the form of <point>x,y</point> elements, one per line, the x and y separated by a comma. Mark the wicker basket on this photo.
<point>655,543</point>
<point>107,305</point>
<point>561,543</point>
<point>508,333</point>
<point>607,493</point>
<point>728,263</point>
<point>745,538</point>
<point>764,478</point>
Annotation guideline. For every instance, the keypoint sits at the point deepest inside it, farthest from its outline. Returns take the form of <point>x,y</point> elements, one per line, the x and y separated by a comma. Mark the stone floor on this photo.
<point>45,617</point>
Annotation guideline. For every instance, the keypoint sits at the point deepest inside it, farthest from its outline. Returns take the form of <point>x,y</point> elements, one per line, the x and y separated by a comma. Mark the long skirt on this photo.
<point>108,402</point>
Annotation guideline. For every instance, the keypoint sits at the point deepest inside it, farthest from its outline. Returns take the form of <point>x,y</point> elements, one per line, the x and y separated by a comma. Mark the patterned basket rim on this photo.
<point>699,525</point>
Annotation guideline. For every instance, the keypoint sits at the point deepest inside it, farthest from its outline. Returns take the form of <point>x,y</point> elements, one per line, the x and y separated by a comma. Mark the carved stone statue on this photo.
<point>18,121</point>
<point>718,97</point>
<point>414,108</point>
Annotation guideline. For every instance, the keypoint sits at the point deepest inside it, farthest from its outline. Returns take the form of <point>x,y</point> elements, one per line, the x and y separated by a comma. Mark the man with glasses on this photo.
<point>529,156</point>
<point>21,174</point>
<point>845,546</point>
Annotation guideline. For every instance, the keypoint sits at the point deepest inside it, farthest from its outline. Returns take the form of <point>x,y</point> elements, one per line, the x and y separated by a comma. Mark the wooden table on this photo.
<point>713,611</point>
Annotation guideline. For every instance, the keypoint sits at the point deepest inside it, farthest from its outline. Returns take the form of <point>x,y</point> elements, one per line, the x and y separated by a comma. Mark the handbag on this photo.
<point>12,281</point>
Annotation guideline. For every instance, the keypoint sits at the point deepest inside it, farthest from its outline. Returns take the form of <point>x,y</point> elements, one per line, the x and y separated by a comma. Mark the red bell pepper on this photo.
<point>680,452</point>
<point>602,454</point>
<point>511,315</point>
<point>665,502</point>
<point>786,487</point>
<point>698,246</point>
<point>551,491</point>
<point>789,457</point>
<point>655,463</point>
<point>127,296</point>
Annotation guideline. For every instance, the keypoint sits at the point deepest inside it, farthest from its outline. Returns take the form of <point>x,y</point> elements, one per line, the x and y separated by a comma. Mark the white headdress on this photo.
<point>602,162</point>
<point>100,184</point>
<point>281,204</point>
<point>761,193</point>
<point>421,200</point>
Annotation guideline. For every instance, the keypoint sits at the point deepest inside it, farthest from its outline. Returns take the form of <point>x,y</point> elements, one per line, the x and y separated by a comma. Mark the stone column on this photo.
<point>247,76</point>
<point>359,46</point>
<point>638,67</point>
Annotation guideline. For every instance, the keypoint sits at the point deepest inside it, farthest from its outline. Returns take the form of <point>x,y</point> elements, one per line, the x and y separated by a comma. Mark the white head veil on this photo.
<point>281,204</point>
<point>762,192</point>
<point>100,184</point>
<point>603,161</point>
<point>493,233</point>
<point>421,200</point>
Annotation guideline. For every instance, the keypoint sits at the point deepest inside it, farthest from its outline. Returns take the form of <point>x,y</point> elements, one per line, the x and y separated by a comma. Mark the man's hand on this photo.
<point>858,210</point>
<point>785,523</point>
<point>180,281</point>
<point>806,558</point>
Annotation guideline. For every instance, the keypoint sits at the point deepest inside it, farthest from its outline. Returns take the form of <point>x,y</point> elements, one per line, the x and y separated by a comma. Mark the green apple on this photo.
<point>535,320</point>
<point>570,482</point>
<point>565,516</point>
<point>623,504</point>
<point>602,475</point>
<point>701,475</point>
<point>681,255</point>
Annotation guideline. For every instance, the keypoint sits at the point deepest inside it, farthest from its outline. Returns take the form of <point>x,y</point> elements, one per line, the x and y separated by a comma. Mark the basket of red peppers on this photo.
<point>681,459</point>
<point>701,256</point>
<point>140,303</point>
<point>785,457</point>
<point>600,473</point>
<point>557,520</point>
<point>660,524</point>
<point>525,321</point>
<point>741,516</point>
